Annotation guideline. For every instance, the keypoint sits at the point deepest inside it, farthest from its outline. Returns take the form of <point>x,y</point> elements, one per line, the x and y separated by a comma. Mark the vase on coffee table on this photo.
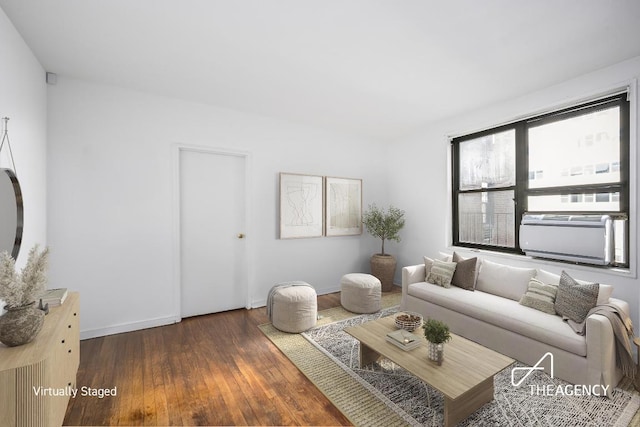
<point>436,352</point>
<point>437,333</point>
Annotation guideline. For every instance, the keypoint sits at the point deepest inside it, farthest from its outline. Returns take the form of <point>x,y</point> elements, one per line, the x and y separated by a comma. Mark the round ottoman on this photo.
<point>360,293</point>
<point>294,307</point>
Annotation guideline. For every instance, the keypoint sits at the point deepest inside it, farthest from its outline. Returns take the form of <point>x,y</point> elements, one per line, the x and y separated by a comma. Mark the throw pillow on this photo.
<point>554,279</point>
<point>428,262</point>
<point>465,274</point>
<point>604,294</point>
<point>441,273</point>
<point>574,300</point>
<point>540,296</point>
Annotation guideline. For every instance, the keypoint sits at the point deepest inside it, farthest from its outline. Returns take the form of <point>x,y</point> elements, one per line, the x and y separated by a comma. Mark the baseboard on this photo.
<point>128,327</point>
<point>162,321</point>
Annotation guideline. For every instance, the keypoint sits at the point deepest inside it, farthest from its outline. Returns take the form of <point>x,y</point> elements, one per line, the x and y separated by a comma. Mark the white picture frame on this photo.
<point>301,206</point>
<point>343,206</point>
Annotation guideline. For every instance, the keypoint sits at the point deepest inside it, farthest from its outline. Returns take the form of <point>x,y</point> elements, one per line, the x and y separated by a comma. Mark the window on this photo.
<point>574,161</point>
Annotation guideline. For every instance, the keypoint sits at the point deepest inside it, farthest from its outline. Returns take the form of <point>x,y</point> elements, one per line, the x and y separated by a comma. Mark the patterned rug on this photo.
<point>416,403</point>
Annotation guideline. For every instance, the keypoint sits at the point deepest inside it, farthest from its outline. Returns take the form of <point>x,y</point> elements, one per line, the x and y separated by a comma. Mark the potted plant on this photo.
<point>23,320</point>
<point>385,225</point>
<point>437,333</point>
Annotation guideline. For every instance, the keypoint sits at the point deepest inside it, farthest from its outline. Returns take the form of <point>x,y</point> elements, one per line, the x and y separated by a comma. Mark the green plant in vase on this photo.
<point>437,333</point>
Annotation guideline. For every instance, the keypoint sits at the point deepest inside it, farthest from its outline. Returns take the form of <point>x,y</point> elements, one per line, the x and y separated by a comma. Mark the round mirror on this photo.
<point>11,213</point>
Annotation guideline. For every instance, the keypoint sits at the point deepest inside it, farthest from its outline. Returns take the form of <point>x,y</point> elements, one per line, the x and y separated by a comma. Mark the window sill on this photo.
<point>628,273</point>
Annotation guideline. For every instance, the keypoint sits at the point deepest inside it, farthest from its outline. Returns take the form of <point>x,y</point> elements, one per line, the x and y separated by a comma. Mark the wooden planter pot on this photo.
<point>384,268</point>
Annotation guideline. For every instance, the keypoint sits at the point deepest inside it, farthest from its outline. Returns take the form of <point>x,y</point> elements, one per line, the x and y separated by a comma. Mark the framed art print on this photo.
<point>343,209</point>
<point>301,206</point>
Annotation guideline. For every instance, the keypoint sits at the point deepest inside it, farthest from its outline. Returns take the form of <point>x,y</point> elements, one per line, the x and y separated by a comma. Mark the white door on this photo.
<point>212,221</point>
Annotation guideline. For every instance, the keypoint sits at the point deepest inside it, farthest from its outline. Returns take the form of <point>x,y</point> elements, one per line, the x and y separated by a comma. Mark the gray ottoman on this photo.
<point>360,293</point>
<point>293,306</point>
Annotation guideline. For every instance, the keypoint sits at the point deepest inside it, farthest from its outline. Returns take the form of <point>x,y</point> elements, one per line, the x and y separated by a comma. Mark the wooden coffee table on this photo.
<point>465,377</point>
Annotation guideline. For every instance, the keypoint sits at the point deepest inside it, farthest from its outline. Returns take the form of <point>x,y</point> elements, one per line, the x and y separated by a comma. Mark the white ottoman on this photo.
<point>360,293</point>
<point>293,306</point>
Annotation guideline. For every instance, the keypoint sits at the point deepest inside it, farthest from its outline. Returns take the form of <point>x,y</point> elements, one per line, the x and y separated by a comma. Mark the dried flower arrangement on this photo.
<point>17,290</point>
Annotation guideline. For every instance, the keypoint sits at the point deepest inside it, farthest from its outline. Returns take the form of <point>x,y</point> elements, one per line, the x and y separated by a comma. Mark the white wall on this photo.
<point>23,98</point>
<point>111,204</point>
<point>420,182</point>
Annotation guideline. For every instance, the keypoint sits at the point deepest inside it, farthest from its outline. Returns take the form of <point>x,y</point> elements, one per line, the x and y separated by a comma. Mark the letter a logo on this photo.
<point>530,370</point>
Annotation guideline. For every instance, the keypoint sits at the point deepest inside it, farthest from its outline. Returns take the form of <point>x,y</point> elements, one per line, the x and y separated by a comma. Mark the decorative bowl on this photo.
<point>408,320</point>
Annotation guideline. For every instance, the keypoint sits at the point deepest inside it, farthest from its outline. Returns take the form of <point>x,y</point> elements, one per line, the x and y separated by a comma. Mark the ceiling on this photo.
<point>377,68</point>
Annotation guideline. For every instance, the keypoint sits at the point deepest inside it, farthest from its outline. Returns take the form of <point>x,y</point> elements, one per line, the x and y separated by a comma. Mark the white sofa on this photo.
<point>492,316</point>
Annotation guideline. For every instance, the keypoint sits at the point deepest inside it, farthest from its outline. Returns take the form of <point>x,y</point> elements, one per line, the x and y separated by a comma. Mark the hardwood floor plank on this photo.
<point>155,403</point>
<point>217,369</point>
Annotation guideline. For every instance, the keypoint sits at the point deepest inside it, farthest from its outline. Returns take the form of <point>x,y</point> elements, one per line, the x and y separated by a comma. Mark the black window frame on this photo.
<point>521,188</point>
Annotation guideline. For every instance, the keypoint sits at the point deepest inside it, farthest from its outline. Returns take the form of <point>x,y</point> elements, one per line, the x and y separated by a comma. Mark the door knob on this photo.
<point>240,236</point>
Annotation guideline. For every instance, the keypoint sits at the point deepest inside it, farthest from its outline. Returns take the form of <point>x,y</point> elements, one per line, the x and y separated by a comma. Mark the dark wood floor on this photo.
<point>217,369</point>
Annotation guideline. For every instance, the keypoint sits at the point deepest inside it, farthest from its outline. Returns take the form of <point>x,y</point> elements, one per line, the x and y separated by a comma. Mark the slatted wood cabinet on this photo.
<point>32,374</point>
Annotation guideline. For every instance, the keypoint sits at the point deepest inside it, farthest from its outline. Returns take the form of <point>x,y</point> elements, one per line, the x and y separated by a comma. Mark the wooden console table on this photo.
<point>29,373</point>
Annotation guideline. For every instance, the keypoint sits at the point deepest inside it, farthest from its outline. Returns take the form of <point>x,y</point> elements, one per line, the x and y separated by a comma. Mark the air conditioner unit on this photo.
<point>578,238</point>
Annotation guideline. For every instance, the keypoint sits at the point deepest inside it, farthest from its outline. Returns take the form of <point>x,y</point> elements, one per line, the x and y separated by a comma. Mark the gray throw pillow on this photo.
<point>465,274</point>
<point>540,296</point>
<point>441,273</point>
<point>574,300</point>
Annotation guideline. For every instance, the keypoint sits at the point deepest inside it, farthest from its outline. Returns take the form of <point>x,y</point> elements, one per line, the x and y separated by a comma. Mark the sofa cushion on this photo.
<point>445,256</point>
<point>540,296</point>
<point>465,275</point>
<point>548,277</point>
<point>505,313</point>
<point>574,300</point>
<point>604,293</point>
<point>503,280</point>
<point>441,273</point>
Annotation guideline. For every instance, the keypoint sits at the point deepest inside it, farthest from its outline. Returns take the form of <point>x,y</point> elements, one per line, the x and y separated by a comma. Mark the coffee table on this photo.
<point>465,377</point>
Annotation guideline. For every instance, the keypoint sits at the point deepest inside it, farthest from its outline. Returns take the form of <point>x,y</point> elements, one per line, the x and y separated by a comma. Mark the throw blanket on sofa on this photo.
<point>280,286</point>
<point>622,329</point>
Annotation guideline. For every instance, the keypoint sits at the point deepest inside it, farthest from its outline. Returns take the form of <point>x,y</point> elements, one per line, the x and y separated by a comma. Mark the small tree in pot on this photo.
<point>385,225</point>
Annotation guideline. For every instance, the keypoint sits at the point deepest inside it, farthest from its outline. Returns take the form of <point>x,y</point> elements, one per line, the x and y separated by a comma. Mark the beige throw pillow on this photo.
<point>428,262</point>
<point>441,273</point>
<point>540,296</point>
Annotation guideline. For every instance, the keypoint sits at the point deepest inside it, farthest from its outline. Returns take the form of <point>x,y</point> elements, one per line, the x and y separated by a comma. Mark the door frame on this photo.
<point>246,253</point>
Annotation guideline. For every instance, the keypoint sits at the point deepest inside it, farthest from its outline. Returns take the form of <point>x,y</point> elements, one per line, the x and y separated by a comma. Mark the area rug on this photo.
<point>385,394</point>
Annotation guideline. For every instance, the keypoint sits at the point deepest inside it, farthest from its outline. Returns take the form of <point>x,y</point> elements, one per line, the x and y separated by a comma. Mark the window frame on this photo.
<point>521,187</point>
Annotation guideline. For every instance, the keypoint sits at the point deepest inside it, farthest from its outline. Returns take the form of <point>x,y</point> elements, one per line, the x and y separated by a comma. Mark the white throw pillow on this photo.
<point>604,293</point>
<point>504,280</point>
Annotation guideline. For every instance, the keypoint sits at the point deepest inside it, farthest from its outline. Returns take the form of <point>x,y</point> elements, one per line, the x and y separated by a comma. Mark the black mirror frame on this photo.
<point>19,211</point>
